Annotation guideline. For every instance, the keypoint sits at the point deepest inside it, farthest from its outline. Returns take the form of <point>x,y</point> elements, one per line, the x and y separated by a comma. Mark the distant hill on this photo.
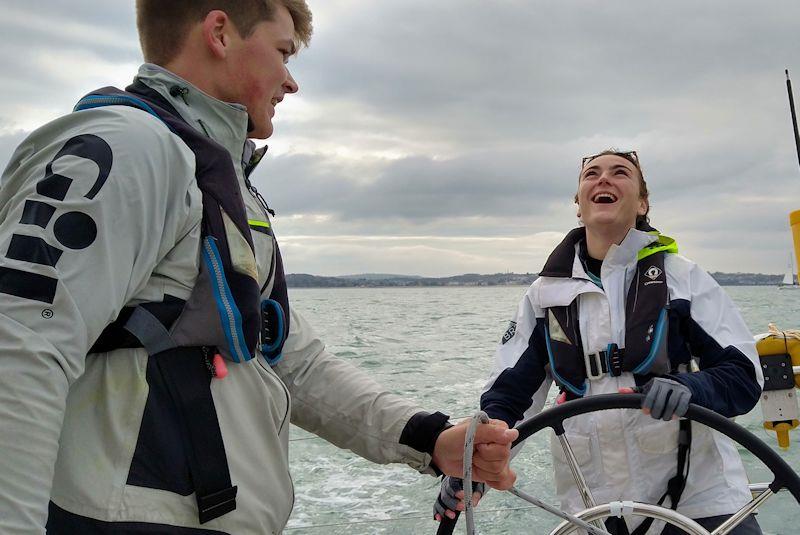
<point>377,276</point>
<point>377,280</point>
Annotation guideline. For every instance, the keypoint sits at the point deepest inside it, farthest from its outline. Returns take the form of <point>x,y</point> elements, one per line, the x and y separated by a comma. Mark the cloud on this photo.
<point>457,126</point>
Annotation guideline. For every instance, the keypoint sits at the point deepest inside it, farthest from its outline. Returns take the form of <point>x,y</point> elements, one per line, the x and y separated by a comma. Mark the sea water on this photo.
<point>435,346</point>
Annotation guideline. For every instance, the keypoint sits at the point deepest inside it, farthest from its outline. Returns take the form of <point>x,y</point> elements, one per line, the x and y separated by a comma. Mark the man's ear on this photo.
<point>217,27</point>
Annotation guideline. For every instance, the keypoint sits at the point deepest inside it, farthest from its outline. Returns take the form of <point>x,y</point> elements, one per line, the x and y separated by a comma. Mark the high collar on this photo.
<point>226,123</point>
<point>564,261</point>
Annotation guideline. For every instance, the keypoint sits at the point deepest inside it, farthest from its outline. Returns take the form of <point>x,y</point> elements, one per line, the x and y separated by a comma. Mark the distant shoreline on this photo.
<point>301,280</point>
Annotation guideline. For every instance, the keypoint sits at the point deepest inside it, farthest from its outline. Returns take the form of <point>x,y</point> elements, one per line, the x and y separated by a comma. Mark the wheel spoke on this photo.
<point>743,513</point>
<point>594,530</point>
<point>580,481</point>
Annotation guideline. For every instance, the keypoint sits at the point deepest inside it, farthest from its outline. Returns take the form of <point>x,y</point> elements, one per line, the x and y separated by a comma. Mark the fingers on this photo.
<point>648,405</point>
<point>495,431</point>
<point>502,481</point>
<point>492,452</point>
<point>476,498</point>
<point>683,405</point>
<point>670,405</point>
<point>626,390</point>
<point>491,460</point>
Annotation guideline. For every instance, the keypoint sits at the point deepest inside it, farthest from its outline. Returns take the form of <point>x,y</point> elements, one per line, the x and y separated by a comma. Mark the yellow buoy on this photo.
<point>779,354</point>
<point>794,223</point>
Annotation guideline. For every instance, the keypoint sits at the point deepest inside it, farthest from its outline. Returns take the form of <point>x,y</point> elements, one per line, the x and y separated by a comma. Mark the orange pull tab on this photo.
<point>220,368</point>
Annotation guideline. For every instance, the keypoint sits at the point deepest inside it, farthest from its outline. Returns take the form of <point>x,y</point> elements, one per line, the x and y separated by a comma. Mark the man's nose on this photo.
<point>290,85</point>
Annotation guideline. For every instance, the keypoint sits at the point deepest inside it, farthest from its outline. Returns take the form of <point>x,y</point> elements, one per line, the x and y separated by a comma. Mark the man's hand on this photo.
<point>451,497</point>
<point>665,399</point>
<point>491,456</point>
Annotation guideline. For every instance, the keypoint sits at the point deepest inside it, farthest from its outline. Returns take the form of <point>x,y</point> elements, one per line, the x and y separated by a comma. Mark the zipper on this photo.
<point>266,210</point>
<point>219,279</point>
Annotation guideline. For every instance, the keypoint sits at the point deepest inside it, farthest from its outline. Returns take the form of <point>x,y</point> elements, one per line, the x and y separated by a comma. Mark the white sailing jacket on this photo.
<point>626,455</point>
<point>84,234</point>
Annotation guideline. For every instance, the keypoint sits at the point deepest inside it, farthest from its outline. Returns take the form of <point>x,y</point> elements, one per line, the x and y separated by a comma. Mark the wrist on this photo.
<point>422,431</point>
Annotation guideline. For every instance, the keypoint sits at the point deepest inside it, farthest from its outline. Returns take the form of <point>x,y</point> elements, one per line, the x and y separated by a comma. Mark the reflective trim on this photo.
<point>664,243</point>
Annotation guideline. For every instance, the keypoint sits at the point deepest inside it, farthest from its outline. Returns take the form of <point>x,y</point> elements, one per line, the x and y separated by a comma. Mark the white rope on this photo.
<point>469,442</point>
<point>791,333</point>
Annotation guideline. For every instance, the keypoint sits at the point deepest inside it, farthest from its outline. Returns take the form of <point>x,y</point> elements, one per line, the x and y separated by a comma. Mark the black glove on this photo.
<point>666,398</point>
<point>447,501</point>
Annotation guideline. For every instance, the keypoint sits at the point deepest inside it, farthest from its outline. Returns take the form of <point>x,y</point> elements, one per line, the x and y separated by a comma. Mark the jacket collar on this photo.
<point>565,262</point>
<point>224,122</point>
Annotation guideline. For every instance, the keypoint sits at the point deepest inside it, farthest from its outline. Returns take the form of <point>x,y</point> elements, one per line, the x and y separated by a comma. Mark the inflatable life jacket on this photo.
<point>223,317</point>
<point>645,351</point>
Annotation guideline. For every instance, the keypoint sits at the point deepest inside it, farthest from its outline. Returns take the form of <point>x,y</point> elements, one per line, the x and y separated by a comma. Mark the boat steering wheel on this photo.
<point>784,476</point>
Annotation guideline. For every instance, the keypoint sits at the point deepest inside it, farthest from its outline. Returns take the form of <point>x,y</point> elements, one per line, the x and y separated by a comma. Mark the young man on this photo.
<point>137,260</point>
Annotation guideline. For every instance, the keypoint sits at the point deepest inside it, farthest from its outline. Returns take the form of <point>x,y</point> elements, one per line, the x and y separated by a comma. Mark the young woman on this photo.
<point>615,307</point>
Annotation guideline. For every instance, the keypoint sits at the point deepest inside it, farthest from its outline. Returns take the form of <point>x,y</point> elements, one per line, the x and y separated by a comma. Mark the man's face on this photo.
<point>257,73</point>
<point>608,193</point>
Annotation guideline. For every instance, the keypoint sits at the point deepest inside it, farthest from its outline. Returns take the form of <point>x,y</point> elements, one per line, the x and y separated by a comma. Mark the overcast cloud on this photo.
<point>438,138</point>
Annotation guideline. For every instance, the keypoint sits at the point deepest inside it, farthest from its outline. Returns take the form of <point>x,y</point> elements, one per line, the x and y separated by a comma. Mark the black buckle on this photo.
<point>215,505</point>
<point>615,355</point>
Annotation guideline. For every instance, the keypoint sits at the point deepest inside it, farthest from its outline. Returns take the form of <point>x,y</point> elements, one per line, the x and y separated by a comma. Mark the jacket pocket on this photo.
<point>581,446</point>
<point>658,438</point>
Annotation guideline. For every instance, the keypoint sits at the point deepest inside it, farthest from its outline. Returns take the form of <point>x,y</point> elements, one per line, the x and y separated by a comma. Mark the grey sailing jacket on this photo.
<point>126,230</point>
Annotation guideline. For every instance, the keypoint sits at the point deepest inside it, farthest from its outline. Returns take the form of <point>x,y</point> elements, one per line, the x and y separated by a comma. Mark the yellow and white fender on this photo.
<point>779,352</point>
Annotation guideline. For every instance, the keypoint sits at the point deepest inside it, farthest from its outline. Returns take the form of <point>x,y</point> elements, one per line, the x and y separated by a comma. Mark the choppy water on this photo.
<point>435,345</point>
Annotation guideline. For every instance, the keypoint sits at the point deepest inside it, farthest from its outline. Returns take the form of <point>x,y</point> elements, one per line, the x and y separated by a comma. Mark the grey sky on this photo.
<point>444,137</point>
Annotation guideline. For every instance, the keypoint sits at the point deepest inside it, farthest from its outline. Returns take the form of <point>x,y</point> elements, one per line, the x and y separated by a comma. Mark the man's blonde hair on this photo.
<point>164,24</point>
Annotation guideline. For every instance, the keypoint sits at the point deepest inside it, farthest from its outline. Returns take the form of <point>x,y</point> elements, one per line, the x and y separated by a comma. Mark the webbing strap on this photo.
<point>116,335</point>
<point>187,378</point>
<point>152,334</point>
<point>677,484</point>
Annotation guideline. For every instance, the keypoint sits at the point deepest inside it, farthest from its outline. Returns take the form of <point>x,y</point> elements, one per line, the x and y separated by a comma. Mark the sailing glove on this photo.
<point>447,501</point>
<point>666,398</point>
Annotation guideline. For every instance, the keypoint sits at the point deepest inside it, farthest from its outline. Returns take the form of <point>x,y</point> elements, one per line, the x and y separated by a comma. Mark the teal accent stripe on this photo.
<point>561,381</point>
<point>229,313</point>
<point>99,101</point>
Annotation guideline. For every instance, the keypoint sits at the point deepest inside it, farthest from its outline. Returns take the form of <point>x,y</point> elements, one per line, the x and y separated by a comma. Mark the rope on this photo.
<point>791,333</point>
<point>469,442</point>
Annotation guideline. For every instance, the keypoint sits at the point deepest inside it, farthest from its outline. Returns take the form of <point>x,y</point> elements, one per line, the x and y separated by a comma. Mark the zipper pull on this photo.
<point>216,365</point>
<point>220,368</point>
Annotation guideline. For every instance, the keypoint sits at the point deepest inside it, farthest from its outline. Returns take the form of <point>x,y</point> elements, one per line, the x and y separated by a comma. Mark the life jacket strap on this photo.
<point>677,484</point>
<point>187,379</point>
<point>608,361</point>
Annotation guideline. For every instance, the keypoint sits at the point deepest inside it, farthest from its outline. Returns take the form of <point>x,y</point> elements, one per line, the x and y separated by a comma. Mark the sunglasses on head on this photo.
<point>631,156</point>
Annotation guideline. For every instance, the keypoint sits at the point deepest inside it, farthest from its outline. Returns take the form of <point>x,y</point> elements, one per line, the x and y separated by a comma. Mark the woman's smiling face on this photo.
<point>609,193</point>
